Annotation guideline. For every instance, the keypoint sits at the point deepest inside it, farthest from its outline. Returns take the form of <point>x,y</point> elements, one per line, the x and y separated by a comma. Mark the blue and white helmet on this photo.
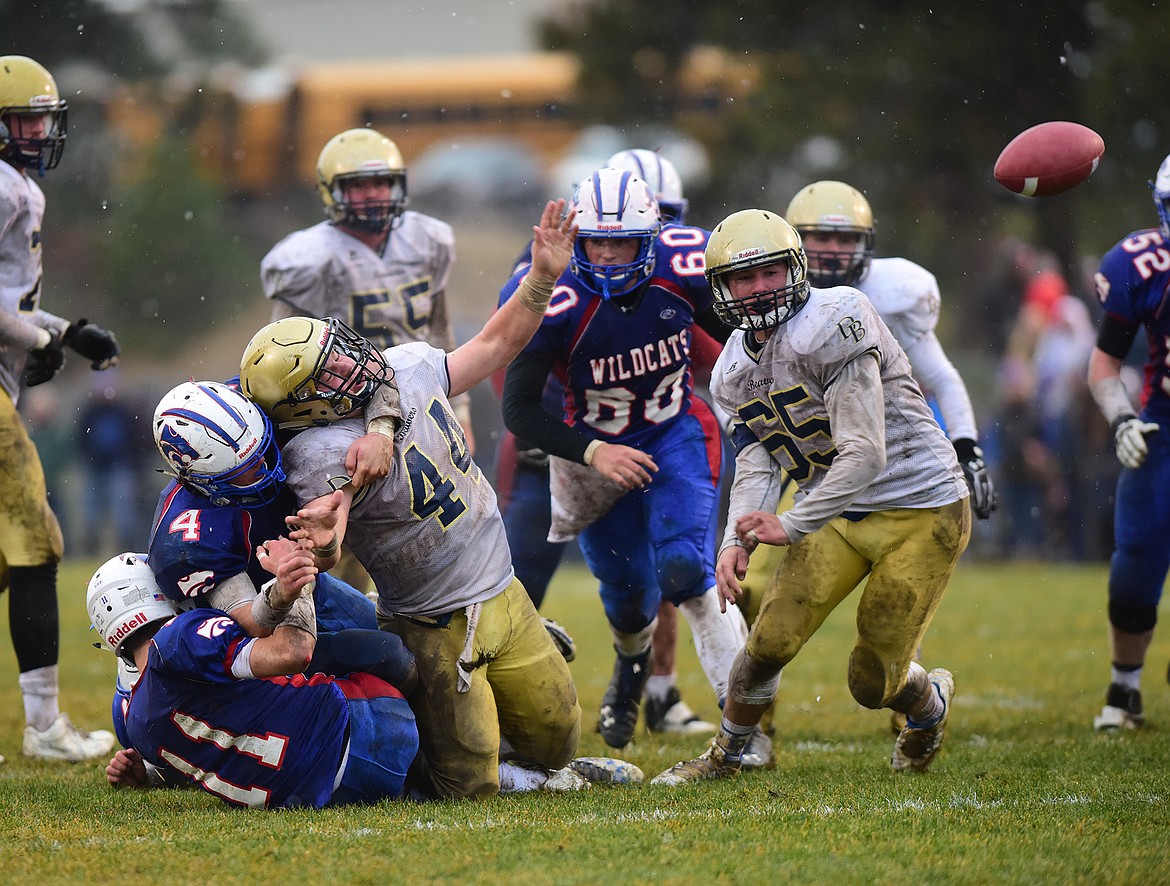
<point>1161,186</point>
<point>663,179</point>
<point>219,443</point>
<point>614,203</point>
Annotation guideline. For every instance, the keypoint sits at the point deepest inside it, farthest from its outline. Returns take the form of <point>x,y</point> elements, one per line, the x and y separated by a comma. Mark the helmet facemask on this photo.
<point>375,217</point>
<point>348,372</point>
<point>830,267</point>
<point>764,310</point>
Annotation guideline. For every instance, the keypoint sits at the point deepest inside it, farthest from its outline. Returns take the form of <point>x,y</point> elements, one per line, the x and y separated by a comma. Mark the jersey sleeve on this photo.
<point>314,460</point>
<point>201,644</point>
<point>295,271</point>
<point>1119,281</point>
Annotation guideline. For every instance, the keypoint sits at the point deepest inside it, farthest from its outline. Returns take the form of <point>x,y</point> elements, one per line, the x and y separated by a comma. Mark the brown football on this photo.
<point>1049,158</point>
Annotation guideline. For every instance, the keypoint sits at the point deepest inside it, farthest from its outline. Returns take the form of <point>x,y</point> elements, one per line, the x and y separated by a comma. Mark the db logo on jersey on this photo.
<point>850,328</point>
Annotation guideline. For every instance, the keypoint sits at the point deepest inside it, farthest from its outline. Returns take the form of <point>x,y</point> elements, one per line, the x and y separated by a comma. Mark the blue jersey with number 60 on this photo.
<point>626,373</point>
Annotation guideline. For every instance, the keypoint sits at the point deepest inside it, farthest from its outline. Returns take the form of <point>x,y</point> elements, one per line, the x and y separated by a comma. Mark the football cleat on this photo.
<point>1123,710</point>
<point>619,706</point>
<point>565,781</point>
<point>712,764</point>
<point>757,752</point>
<point>917,746</point>
<point>673,715</point>
<point>561,639</point>
<point>64,741</point>
<point>606,770</point>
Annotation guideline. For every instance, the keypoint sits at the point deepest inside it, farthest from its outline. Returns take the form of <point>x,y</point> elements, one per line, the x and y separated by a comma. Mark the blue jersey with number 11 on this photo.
<point>626,374</point>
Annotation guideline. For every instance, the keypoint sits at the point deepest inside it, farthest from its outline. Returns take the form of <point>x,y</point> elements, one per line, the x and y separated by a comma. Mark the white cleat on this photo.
<point>64,741</point>
<point>674,715</point>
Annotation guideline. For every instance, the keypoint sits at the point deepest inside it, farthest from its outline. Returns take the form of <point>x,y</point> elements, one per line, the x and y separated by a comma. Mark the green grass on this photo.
<point>1023,790</point>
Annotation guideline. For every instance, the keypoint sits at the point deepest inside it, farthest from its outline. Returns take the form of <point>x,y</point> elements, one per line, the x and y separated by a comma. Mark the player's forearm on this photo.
<point>25,335</point>
<point>757,487</point>
<point>1107,388</point>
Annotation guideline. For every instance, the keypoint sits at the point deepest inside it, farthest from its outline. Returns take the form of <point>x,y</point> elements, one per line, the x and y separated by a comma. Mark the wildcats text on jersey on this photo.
<point>663,354</point>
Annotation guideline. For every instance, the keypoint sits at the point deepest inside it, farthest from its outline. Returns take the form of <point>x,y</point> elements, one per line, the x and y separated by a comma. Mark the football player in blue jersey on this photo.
<point>1132,282</point>
<point>226,499</point>
<point>214,706</point>
<point>523,477</point>
<point>635,461</point>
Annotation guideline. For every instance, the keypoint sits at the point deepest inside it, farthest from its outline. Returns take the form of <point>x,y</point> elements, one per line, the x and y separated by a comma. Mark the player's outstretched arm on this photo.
<point>510,328</point>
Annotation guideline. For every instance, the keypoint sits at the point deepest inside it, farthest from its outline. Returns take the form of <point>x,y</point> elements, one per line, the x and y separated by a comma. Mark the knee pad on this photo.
<point>867,678</point>
<point>679,566</point>
<point>1132,619</point>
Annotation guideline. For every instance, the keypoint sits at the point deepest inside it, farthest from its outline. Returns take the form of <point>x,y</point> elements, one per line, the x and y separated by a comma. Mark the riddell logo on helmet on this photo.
<point>748,253</point>
<point>126,628</point>
<point>609,226</point>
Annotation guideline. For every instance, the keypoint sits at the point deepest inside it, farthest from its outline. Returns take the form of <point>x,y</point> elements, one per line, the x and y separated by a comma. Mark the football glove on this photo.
<point>1129,440</point>
<point>43,364</point>
<point>978,479</point>
<point>93,343</point>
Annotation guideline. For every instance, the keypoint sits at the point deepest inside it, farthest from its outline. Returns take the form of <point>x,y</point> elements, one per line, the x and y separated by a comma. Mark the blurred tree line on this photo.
<point>911,104</point>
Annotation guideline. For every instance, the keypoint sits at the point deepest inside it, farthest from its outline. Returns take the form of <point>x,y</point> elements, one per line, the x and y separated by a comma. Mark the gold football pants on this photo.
<point>521,689</point>
<point>29,532</point>
<point>908,555</point>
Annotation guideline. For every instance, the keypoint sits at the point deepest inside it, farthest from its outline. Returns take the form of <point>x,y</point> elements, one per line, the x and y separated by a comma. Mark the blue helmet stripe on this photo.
<point>212,428</point>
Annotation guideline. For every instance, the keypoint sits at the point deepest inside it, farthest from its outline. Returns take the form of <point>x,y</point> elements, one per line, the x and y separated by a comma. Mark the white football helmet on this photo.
<point>219,443</point>
<point>1161,186</point>
<point>614,203</point>
<point>833,207</point>
<point>752,238</point>
<point>123,597</point>
<point>663,179</point>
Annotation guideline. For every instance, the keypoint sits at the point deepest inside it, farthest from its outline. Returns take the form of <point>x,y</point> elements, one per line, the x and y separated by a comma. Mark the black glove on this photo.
<point>983,499</point>
<point>93,343</point>
<point>43,364</point>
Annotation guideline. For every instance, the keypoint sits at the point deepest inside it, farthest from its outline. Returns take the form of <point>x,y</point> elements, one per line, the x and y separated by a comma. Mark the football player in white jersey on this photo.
<point>820,390</point>
<point>430,534</point>
<point>373,263</point>
<point>836,228</point>
<point>32,138</point>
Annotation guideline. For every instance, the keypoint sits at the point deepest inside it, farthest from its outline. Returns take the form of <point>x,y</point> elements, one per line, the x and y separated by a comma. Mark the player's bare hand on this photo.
<point>315,526</point>
<point>127,770</point>
<point>760,527</point>
<point>369,458</point>
<point>628,467</point>
<point>730,570</point>
<point>292,564</point>
<point>552,241</point>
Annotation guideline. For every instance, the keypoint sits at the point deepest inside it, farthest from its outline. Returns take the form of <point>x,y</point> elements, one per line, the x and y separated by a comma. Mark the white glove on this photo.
<point>1129,440</point>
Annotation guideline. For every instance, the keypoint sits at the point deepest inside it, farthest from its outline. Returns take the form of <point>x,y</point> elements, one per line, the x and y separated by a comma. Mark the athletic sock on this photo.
<point>1129,676</point>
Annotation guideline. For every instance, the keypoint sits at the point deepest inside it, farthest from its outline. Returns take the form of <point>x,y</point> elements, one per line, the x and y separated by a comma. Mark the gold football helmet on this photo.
<point>753,238</point>
<point>305,372</point>
<point>830,206</point>
<point>356,154</point>
<point>27,88</point>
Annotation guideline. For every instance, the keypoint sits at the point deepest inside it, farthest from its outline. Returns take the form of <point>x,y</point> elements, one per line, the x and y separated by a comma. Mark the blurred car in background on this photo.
<point>487,173</point>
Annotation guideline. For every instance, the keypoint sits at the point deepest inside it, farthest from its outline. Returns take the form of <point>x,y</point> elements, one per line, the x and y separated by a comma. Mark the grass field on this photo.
<point>1023,791</point>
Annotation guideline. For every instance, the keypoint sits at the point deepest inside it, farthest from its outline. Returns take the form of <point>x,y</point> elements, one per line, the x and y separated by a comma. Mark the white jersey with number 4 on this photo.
<point>430,534</point>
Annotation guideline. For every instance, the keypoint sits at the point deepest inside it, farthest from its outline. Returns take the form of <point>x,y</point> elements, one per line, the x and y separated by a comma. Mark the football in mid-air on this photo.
<point>1049,158</point>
